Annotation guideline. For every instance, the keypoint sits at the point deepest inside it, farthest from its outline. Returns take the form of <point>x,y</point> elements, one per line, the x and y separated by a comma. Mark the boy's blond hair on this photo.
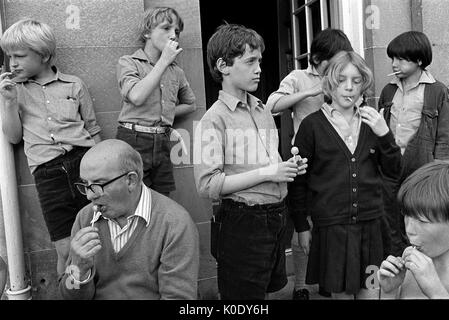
<point>155,16</point>
<point>31,34</point>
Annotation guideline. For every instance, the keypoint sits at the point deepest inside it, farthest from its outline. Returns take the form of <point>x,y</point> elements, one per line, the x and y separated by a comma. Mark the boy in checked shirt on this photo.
<point>53,113</point>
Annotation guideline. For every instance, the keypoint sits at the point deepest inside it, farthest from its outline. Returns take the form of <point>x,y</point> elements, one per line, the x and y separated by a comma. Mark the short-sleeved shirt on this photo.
<point>234,137</point>
<point>407,109</point>
<point>297,81</point>
<point>56,116</point>
<point>159,108</point>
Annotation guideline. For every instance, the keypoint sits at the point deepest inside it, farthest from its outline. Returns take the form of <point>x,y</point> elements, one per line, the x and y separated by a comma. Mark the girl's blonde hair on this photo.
<point>30,34</point>
<point>336,66</point>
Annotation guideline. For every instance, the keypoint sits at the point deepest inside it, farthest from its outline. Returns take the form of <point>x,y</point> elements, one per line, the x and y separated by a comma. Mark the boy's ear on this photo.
<point>315,60</point>
<point>222,66</point>
<point>45,59</point>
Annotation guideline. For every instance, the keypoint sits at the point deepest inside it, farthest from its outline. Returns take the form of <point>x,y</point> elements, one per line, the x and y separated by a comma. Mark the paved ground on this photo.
<point>286,292</point>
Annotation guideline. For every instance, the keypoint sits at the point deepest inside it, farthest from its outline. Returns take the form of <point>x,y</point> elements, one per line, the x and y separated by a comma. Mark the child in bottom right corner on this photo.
<point>422,272</point>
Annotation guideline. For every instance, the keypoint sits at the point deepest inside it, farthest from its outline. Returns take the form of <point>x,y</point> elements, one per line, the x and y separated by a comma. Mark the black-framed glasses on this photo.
<point>97,188</point>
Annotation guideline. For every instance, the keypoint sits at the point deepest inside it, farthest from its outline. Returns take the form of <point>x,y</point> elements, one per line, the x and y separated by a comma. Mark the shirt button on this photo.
<point>49,118</point>
<point>353,218</point>
<point>43,87</point>
<point>354,175</point>
<point>48,101</point>
<point>162,85</point>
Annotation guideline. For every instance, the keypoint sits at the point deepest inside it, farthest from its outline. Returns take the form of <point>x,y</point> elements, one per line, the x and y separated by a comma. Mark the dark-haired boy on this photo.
<point>416,109</point>
<point>241,166</point>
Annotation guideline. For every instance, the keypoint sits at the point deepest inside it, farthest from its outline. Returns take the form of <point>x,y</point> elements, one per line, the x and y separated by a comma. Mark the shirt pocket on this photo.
<point>172,90</point>
<point>67,109</point>
<point>427,130</point>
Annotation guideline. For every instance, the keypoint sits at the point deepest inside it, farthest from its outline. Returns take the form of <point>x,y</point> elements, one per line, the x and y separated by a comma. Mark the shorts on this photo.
<point>154,149</point>
<point>250,249</point>
<point>59,199</point>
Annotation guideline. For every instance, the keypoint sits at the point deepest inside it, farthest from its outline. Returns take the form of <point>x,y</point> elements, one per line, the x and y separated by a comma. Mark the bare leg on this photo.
<point>62,249</point>
<point>300,263</point>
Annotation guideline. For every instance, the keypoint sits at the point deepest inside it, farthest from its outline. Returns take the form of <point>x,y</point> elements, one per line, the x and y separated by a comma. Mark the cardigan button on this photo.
<point>354,205</point>
<point>354,175</point>
<point>353,159</point>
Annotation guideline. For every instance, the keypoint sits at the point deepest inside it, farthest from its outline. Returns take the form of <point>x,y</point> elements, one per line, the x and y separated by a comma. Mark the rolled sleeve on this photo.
<point>87,110</point>
<point>185,93</point>
<point>127,75</point>
<point>287,86</point>
<point>209,165</point>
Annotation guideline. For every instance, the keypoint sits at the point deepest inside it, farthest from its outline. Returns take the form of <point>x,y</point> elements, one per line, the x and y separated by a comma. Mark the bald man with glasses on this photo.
<point>130,242</point>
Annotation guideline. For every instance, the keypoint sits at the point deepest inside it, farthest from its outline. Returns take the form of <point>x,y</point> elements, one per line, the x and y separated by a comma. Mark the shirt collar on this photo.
<point>143,209</point>
<point>426,77</point>
<point>232,102</point>
<point>312,70</point>
<point>331,110</point>
<point>141,55</point>
<point>58,75</point>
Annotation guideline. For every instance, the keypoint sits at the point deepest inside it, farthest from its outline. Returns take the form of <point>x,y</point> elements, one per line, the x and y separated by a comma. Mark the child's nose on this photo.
<point>395,62</point>
<point>348,84</point>
<point>13,62</point>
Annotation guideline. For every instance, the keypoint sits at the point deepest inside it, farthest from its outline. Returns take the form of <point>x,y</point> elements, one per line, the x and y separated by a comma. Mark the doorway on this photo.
<point>261,16</point>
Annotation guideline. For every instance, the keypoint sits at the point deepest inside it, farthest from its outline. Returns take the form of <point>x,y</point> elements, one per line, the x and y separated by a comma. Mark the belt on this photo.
<point>77,151</point>
<point>139,128</point>
<point>268,207</point>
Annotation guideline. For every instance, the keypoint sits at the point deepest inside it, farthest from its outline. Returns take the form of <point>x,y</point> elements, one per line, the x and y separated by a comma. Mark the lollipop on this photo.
<point>295,152</point>
<point>96,215</point>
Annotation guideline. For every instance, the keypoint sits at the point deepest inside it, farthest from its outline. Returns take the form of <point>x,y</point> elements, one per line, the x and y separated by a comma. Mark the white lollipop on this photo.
<point>295,151</point>
<point>96,215</point>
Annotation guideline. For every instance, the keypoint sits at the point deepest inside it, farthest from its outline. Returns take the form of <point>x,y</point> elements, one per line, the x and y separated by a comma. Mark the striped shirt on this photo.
<point>120,236</point>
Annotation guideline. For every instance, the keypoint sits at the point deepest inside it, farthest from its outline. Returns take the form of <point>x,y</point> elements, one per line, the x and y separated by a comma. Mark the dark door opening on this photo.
<point>258,15</point>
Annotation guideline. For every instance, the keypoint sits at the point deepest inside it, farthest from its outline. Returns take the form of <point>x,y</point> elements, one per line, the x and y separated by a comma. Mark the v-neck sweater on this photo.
<point>159,261</point>
<point>340,187</point>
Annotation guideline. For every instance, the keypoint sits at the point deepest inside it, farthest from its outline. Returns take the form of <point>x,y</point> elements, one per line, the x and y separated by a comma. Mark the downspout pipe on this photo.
<point>19,288</point>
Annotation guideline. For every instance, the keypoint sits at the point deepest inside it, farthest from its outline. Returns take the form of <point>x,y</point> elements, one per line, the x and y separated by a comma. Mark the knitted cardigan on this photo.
<point>340,187</point>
